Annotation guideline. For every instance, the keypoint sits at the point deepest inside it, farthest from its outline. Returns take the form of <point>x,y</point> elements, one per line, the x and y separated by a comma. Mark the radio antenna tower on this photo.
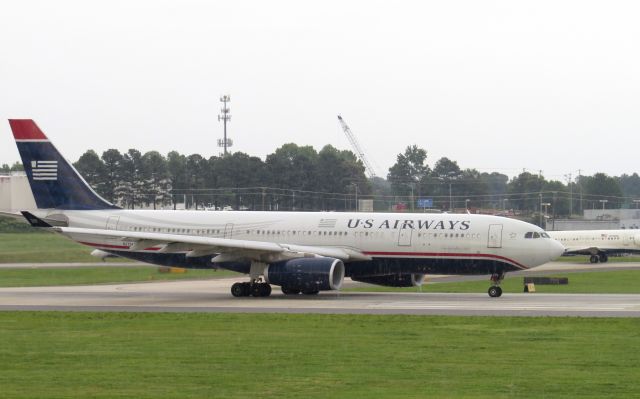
<point>224,117</point>
<point>357,148</point>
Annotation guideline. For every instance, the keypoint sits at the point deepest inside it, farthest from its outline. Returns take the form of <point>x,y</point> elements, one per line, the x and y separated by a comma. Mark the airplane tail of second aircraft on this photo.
<point>55,183</point>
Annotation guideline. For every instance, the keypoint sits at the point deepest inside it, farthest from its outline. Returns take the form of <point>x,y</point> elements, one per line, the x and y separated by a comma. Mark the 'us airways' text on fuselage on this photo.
<point>409,224</point>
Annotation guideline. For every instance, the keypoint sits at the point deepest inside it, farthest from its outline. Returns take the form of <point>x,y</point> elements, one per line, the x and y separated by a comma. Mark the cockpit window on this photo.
<point>535,234</point>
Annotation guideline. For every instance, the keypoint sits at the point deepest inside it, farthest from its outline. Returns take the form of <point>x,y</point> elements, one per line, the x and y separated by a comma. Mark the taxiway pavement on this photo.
<point>214,296</point>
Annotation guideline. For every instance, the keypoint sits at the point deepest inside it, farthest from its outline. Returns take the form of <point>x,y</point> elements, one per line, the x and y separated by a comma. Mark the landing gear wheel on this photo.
<point>496,278</point>
<point>289,291</point>
<point>260,289</point>
<point>266,289</point>
<point>603,258</point>
<point>495,292</point>
<point>594,259</point>
<point>240,289</point>
<point>310,292</point>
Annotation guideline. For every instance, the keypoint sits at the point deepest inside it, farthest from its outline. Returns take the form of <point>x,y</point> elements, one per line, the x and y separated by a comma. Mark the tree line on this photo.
<point>455,188</point>
<point>320,179</point>
<point>301,178</point>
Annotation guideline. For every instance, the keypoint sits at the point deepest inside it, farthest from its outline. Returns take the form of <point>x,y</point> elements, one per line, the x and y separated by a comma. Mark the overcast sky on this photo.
<point>495,85</point>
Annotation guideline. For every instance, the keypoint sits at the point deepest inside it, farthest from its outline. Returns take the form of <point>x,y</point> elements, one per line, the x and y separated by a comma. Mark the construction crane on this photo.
<point>356,147</point>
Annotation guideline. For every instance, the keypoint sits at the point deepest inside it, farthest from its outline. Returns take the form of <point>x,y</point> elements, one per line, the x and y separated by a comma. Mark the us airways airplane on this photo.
<point>302,252</point>
<point>599,244</point>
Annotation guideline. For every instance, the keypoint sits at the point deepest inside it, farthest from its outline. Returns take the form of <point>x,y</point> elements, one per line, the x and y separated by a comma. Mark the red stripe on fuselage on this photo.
<point>445,255</point>
<point>26,129</point>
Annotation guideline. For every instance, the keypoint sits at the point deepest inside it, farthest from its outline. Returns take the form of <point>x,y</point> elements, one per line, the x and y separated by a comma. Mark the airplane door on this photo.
<point>495,236</point>
<point>112,222</point>
<point>404,237</point>
<point>228,230</point>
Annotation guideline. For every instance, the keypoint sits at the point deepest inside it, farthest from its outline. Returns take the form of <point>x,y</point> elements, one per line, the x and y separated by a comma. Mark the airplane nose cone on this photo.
<point>556,250</point>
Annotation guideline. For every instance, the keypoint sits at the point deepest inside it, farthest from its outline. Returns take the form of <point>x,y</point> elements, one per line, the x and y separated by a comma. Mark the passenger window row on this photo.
<point>450,235</point>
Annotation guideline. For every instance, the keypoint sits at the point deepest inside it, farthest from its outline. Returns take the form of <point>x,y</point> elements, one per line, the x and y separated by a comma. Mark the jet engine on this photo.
<point>102,254</point>
<point>393,280</point>
<point>306,274</point>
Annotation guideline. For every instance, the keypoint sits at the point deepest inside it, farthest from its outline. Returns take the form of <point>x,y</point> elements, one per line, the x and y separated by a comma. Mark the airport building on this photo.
<point>15,193</point>
<point>599,219</point>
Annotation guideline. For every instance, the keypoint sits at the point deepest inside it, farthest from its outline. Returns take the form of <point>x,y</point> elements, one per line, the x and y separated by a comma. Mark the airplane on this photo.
<point>599,244</point>
<point>302,252</point>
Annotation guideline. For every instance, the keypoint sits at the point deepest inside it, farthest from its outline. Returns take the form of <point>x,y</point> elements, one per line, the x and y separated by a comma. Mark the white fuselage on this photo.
<point>594,241</point>
<point>378,235</point>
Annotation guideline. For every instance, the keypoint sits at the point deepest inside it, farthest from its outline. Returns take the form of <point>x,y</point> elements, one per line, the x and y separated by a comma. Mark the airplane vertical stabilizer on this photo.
<point>54,182</point>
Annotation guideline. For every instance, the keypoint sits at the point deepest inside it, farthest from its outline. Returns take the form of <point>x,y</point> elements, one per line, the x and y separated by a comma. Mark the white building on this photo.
<point>15,193</point>
<point>599,219</point>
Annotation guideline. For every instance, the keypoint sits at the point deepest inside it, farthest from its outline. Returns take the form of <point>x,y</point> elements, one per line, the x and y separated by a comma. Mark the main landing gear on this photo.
<point>255,289</point>
<point>260,289</point>
<point>495,291</point>
<point>602,258</point>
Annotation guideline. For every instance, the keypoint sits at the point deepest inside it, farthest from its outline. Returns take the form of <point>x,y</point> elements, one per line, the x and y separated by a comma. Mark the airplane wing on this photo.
<point>582,250</point>
<point>593,250</point>
<point>225,249</point>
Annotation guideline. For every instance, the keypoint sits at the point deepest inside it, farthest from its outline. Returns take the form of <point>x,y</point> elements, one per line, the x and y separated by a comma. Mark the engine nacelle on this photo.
<point>306,274</point>
<point>102,254</point>
<point>393,280</point>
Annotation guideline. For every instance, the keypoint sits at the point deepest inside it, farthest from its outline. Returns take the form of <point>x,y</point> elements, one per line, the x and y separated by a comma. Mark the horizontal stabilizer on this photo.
<point>34,220</point>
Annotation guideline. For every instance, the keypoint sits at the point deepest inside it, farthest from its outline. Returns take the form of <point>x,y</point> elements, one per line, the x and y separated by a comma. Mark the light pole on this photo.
<point>412,200</point>
<point>540,209</point>
<point>225,117</point>
<point>504,204</point>
<point>466,204</point>
<point>604,201</point>
<point>546,209</point>
<point>355,186</point>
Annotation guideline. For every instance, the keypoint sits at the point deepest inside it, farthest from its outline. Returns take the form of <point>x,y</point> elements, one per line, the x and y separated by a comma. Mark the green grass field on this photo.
<point>613,282</point>
<point>171,355</point>
<point>97,275</point>
<point>44,248</point>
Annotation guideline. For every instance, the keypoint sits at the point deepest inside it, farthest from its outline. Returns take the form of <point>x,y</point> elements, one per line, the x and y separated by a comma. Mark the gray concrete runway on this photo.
<point>213,296</point>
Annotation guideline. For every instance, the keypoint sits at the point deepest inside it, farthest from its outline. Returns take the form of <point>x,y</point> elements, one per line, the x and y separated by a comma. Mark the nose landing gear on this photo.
<point>495,291</point>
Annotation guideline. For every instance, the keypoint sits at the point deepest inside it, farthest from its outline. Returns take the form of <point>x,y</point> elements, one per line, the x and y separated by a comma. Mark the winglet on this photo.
<point>34,220</point>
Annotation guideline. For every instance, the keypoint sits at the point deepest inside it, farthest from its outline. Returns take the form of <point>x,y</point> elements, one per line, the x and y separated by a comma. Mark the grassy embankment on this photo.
<point>46,247</point>
<point>99,355</point>
<point>98,275</point>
